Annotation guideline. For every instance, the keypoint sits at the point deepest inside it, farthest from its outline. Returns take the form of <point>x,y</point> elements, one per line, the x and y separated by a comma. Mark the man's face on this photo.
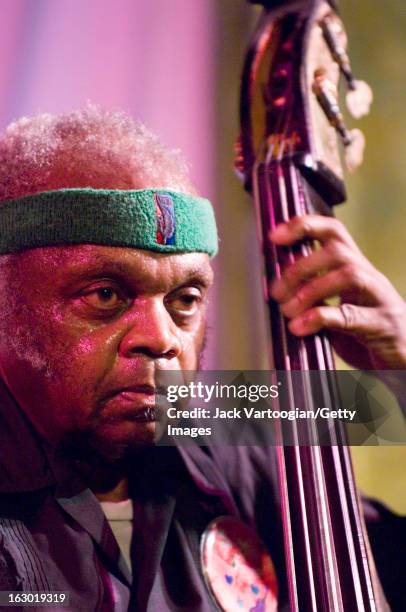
<point>84,329</point>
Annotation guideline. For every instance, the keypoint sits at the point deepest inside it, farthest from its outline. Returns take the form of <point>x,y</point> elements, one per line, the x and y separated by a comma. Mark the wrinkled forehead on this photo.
<point>66,264</point>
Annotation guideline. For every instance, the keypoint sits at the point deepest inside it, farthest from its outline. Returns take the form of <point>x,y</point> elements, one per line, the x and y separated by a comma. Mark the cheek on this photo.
<point>81,360</point>
<point>52,369</point>
<point>192,346</point>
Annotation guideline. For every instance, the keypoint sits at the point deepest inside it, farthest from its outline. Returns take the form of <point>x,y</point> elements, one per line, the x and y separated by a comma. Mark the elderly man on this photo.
<point>104,275</point>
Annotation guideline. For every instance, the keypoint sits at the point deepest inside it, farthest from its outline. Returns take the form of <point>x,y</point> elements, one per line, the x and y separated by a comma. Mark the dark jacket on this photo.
<point>54,536</point>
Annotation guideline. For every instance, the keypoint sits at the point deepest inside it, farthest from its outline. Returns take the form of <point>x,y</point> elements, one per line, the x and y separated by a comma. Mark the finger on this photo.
<point>318,261</point>
<point>347,318</point>
<point>313,227</point>
<point>365,290</point>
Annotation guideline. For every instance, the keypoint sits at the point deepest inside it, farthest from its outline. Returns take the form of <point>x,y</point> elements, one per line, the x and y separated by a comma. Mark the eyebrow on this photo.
<point>201,275</point>
<point>99,267</point>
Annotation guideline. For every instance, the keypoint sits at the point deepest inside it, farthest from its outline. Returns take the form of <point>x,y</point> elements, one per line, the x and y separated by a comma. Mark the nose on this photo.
<point>152,332</point>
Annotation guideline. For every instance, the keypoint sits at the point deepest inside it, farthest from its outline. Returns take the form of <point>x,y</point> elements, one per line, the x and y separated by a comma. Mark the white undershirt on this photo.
<point>120,518</point>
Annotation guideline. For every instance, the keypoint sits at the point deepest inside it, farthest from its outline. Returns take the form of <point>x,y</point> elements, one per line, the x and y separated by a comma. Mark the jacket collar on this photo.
<point>27,464</point>
<point>24,465</point>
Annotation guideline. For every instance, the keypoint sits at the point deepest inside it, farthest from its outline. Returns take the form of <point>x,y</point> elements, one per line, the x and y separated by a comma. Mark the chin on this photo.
<point>110,443</point>
<point>118,445</point>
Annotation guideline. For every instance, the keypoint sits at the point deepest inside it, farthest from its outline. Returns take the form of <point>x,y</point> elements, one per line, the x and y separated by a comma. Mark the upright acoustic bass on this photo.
<point>288,156</point>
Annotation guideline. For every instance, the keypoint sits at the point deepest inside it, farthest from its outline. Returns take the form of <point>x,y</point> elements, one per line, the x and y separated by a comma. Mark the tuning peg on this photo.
<point>354,150</point>
<point>359,99</point>
<point>326,93</point>
<point>353,140</point>
<point>359,94</point>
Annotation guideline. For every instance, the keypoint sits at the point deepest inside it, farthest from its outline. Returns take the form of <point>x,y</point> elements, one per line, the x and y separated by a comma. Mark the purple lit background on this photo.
<point>153,59</point>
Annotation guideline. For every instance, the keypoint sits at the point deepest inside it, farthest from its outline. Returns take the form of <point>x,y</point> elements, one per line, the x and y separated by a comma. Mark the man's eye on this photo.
<point>103,298</point>
<point>186,303</point>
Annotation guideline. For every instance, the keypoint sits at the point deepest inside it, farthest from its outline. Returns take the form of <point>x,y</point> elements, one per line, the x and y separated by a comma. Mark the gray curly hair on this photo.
<point>90,147</point>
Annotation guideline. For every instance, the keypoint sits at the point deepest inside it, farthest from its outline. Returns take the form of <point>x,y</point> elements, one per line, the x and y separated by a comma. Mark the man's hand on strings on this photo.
<point>368,327</point>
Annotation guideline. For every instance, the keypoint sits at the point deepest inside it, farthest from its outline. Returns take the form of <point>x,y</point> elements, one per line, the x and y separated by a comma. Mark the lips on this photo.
<point>133,403</point>
<point>149,414</point>
<point>130,390</point>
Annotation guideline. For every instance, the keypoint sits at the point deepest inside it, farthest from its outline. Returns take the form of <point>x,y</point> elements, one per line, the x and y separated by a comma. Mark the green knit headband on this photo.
<point>152,219</point>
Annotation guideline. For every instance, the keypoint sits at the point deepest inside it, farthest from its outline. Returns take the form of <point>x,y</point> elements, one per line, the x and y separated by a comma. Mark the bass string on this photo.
<point>316,361</point>
<point>292,454</point>
<point>306,459</point>
<point>322,357</point>
<point>304,433</point>
<point>284,455</point>
<point>266,221</point>
<point>340,454</point>
<point>314,346</point>
<point>311,357</point>
<point>354,528</point>
<point>302,363</point>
